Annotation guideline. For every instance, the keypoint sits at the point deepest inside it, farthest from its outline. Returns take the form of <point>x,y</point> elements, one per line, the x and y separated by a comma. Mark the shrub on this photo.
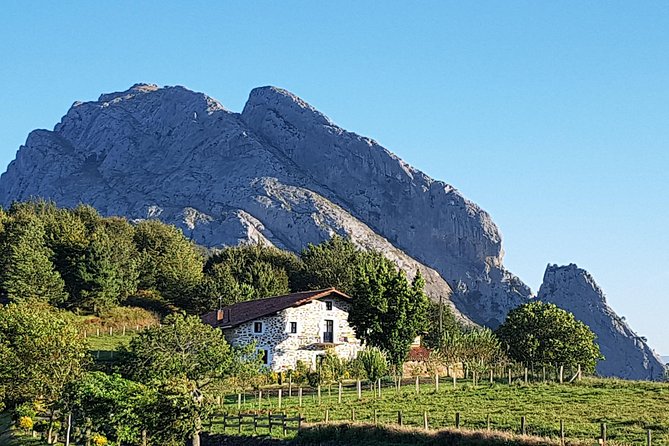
<point>26,423</point>
<point>99,440</point>
<point>373,362</point>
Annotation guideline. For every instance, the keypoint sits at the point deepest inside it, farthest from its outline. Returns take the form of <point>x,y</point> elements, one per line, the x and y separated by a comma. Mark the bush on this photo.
<point>373,362</point>
<point>26,423</point>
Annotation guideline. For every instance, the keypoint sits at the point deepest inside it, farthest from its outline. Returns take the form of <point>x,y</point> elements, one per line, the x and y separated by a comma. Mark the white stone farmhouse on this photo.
<point>297,326</point>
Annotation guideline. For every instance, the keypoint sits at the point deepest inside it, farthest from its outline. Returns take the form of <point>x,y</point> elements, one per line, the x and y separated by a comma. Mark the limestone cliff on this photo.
<point>627,354</point>
<point>280,172</point>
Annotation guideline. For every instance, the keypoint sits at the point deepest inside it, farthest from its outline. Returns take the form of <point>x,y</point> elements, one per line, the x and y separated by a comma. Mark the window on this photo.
<point>264,356</point>
<point>257,327</point>
<point>293,327</point>
<point>328,305</point>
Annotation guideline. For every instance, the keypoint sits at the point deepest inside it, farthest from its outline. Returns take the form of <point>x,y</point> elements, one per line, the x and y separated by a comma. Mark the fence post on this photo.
<point>509,375</point>
<point>487,419</point>
<point>299,422</point>
<point>239,401</point>
<point>544,374</point>
<point>352,413</point>
<point>379,383</point>
<point>225,421</point>
<point>359,388</point>
<point>417,385</point>
<point>280,395</point>
<point>124,330</point>
<point>455,380</point>
<point>579,372</point>
<point>425,426</point>
<point>255,423</point>
<point>111,331</point>
<point>399,418</point>
<point>649,438</point>
<point>561,374</point>
<point>327,415</point>
<point>436,382</point>
<point>259,398</point>
<point>97,331</point>
<point>339,394</point>
<point>603,433</point>
<point>562,432</point>
<point>319,394</point>
<point>491,377</point>
<point>69,428</point>
<point>376,416</point>
<point>525,375</point>
<point>239,422</point>
<point>269,421</point>
<point>290,386</point>
<point>299,396</point>
<point>523,427</point>
<point>457,420</point>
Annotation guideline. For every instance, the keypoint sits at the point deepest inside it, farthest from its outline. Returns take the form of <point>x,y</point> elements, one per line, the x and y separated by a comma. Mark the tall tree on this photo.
<point>169,263</point>
<point>183,356</point>
<point>43,353</point>
<point>332,263</point>
<point>387,311</point>
<point>26,270</point>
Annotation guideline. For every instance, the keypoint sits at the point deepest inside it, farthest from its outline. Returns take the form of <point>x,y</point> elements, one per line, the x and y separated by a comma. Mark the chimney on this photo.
<point>219,315</point>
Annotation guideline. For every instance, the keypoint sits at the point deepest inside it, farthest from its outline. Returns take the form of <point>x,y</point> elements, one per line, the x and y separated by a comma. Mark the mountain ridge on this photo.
<point>280,172</point>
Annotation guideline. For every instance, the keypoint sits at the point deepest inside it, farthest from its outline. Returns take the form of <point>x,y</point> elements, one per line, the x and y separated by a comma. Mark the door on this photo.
<point>328,335</point>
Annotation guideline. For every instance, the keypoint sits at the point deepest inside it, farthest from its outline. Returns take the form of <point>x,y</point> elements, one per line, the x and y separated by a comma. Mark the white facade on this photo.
<point>318,325</point>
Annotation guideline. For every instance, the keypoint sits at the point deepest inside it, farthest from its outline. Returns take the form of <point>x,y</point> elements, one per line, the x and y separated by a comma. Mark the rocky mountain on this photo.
<point>627,354</point>
<point>279,172</point>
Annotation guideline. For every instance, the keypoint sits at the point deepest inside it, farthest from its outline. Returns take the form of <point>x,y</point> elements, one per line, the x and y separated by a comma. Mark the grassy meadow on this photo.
<point>628,408</point>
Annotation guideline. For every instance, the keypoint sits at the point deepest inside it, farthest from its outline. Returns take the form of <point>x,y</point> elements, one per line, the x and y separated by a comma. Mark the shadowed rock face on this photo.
<point>627,355</point>
<point>280,172</point>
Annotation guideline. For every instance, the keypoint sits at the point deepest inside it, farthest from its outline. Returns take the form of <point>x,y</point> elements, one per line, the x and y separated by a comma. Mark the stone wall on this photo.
<point>285,348</point>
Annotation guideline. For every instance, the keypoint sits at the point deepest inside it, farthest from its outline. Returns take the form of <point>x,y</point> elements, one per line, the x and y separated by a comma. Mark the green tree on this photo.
<point>539,333</point>
<point>43,353</point>
<point>387,311</point>
<point>186,356</point>
<point>118,408</point>
<point>246,272</point>
<point>333,263</point>
<point>442,326</point>
<point>26,270</point>
<point>373,362</point>
<point>169,263</point>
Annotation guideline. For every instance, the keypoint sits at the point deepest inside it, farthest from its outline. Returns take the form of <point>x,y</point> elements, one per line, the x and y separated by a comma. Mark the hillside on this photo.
<point>282,173</point>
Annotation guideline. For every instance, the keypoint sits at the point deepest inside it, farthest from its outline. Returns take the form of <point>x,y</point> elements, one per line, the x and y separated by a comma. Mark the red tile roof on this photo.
<point>241,312</point>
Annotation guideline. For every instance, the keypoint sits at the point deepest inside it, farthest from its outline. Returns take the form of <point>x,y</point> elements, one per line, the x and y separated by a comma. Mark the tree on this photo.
<point>539,333</point>
<point>169,263</point>
<point>244,273</point>
<point>387,311</point>
<point>42,351</point>
<point>184,356</point>
<point>373,362</point>
<point>442,326</point>
<point>333,263</point>
<point>118,408</point>
<point>26,270</point>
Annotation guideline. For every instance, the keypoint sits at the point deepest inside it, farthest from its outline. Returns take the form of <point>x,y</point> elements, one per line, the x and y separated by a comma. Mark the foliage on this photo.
<point>169,263</point>
<point>109,405</point>
<point>442,325</point>
<point>181,358</point>
<point>43,352</point>
<point>373,362</point>
<point>26,270</point>
<point>480,349</point>
<point>539,333</point>
<point>388,312</point>
<point>333,263</point>
<point>25,423</point>
<point>245,272</point>
<point>331,367</point>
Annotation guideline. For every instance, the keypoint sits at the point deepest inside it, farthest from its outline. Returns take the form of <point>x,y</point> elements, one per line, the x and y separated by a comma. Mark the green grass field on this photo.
<point>629,409</point>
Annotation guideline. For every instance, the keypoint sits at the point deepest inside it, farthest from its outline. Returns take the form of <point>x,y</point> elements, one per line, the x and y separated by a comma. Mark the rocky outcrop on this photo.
<point>627,354</point>
<point>280,173</point>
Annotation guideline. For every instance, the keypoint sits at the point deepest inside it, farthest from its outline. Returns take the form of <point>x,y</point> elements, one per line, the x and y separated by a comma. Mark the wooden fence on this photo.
<point>267,421</point>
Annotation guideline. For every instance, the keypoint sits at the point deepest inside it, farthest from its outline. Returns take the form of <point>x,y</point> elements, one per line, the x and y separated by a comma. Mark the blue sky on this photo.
<point>553,116</point>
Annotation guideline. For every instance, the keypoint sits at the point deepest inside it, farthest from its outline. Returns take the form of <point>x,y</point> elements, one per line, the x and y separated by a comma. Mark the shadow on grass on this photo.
<point>370,435</point>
